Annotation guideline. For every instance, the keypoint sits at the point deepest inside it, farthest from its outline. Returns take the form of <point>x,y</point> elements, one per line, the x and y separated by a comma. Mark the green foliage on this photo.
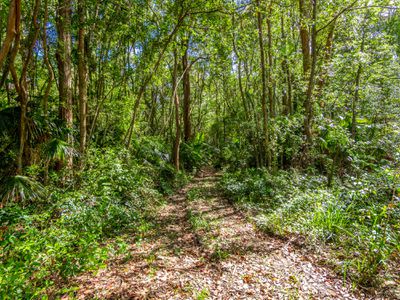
<point>152,152</point>
<point>196,153</point>
<point>20,189</point>
<point>334,138</point>
<point>220,254</point>
<point>349,197</point>
<point>361,219</point>
<point>198,221</point>
<point>204,294</point>
<point>193,195</point>
<point>287,139</point>
<point>56,149</point>
<point>68,233</point>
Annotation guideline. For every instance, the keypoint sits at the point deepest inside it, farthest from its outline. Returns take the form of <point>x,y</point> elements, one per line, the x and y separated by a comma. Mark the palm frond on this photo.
<point>20,189</point>
<point>57,149</point>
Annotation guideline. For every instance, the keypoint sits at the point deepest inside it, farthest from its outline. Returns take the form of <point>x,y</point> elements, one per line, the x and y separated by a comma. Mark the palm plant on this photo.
<point>56,150</point>
<point>20,189</point>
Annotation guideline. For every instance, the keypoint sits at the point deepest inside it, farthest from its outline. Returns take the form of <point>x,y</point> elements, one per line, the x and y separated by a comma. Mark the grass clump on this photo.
<point>198,221</point>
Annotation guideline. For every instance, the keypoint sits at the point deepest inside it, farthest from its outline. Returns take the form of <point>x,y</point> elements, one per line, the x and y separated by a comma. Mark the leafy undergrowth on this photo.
<point>79,226</point>
<point>357,219</point>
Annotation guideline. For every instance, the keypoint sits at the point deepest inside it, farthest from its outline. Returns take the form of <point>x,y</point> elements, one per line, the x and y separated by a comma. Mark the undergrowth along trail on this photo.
<point>204,248</point>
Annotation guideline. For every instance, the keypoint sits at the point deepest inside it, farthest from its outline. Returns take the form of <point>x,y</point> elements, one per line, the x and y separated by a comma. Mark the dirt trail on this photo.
<point>204,248</point>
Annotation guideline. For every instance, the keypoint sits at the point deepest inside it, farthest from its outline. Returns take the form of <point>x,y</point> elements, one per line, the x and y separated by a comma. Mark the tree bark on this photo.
<point>187,123</point>
<point>325,63</point>
<point>21,85</point>
<point>287,90</point>
<point>308,105</point>
<point>47,62</point>
<point>13,24</point>
<point>264,83</point>
<point>270,64</point>
<point>175,97</point>
<point>239,64</point>
<point>304,34</point>
<point>82,77</point>
<point>63,55</point>
<point>357,93</point>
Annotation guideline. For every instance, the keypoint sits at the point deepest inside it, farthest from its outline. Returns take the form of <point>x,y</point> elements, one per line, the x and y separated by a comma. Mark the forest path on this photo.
<point>204,248</point>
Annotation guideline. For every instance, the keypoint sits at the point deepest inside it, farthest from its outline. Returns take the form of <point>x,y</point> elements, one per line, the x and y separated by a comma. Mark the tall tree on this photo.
<point>64,47</point>
<point>357,90</point>
<point>264,82</point>
<point>308,104</point>
<point>175,99</point>
<point>187,123</point>
<point>82,76</point>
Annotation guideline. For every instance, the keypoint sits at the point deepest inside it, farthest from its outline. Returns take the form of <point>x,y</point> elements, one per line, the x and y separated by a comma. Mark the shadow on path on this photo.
<point>204,248</point>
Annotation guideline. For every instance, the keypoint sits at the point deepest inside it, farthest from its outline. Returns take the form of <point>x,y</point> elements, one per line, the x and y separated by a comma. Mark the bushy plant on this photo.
<point>43,243</point>
<point>360,217</point>
<point>153,153</point>
<point>196,153</point>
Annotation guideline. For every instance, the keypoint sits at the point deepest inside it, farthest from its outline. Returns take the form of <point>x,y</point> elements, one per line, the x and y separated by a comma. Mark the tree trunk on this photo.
<point>82,77</point>
<point>304,34</point>
<point>325,63</point>
<point>287,90</point>
<point>270,64</point>
<point>357,93</point>
<point>308,105</point>
<point>65,68</point>
<point>264,84</point>
<point>21,85</point>
<point>153,109</point>
<point>47,62</point>
<point>187,124</point>
<point>16,19</point>
<point>13,24</point>
<point>175,97</point>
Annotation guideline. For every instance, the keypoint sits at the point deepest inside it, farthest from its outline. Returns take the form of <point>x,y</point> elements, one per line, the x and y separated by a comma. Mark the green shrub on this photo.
<point>196,153</point>
<point>361,217</point>
<point>69,230</point>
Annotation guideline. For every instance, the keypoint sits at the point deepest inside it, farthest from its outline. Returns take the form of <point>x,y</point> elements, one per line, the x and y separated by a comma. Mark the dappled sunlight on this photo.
<point>229,258</point>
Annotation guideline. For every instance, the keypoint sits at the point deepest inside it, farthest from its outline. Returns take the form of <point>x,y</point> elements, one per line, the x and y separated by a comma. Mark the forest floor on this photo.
<point>203,247</point>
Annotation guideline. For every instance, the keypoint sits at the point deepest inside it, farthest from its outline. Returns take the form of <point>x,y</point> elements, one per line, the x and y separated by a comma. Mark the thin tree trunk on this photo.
<point>47,62</point>
<point>187,123</point>
<point>310,89</point>
<point>153,109</point>
<point>65,68</point>
<point>270,64</point>
<point>98,109</point>
<point>357,93</point>
<point>239,63</point>
<point>21,85</point>
<point>325,63</point>
<point>82,77</point>
<point>287,90</point>
<point>264,84</point>
<point>175,98</point>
